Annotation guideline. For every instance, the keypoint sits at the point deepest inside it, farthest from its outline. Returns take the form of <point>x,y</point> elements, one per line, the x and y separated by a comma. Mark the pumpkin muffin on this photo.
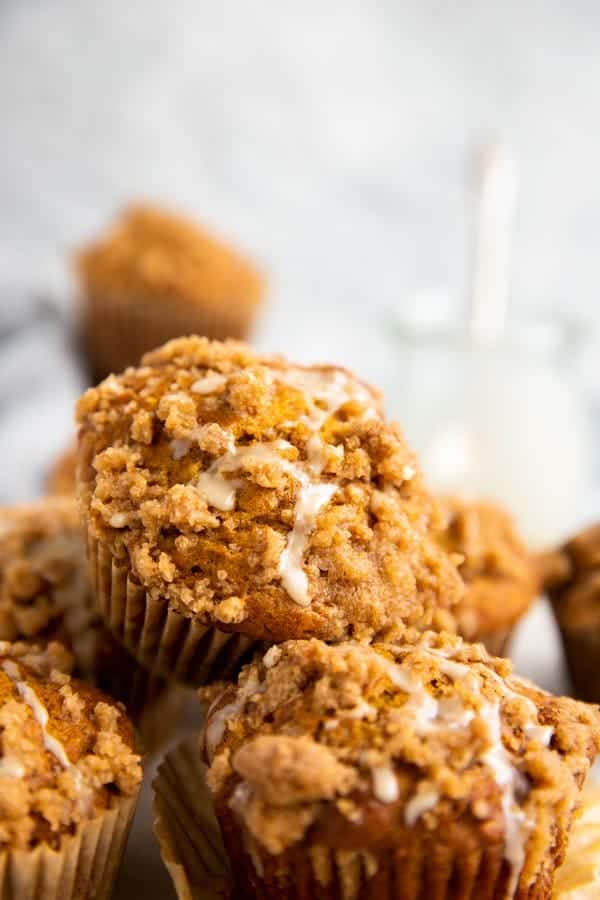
<point>415,770</point>
<point>46,595</point>
<point>572,581</point>
<point>69,779</point>
<point>232,498</point>
<point>157,276</point>
<point>499,573</point>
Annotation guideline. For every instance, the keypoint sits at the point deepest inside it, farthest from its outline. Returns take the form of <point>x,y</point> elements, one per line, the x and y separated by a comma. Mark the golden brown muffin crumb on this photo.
<point>66,751</point>
<point>273,499</point>
<point>498,570</point>
<point>352,747</point>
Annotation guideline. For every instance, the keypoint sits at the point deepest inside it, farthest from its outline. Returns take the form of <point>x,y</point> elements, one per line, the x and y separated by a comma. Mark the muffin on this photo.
<point>69,779</point>
<point>45,595</point>
<point>232,499</point>
<point>61,477</point>
<point>415,770</point>
<point>572,582</point>
<point>499,572</point>
<point>157,276</point>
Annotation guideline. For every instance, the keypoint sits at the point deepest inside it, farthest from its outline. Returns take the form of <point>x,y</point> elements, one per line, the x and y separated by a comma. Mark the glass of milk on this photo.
<point>506,422</point>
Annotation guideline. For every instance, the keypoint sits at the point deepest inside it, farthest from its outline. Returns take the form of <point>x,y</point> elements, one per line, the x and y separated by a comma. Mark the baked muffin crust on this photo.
<point>66,751</point>
<point>356,747</point>
<point>271,499</point>
<point>152,254</point>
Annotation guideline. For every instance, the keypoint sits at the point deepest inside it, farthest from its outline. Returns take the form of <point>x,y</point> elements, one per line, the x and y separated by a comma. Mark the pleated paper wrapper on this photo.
<point>85,866</point>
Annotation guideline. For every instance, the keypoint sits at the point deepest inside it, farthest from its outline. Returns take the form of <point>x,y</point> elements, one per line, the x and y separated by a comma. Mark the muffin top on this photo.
<point>273,499</point>
<point>572,579</point>
<point>497,568</point>
<point>153,254</point>
<point>354,746</point>
<point>66,754</point>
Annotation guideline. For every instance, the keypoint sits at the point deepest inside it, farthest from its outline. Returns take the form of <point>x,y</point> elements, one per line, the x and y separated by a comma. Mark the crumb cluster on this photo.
<point>352,746</point>
<point>66,752</point>
<point>271,499</point>
<point>151,254</point>
<point>496,567</point>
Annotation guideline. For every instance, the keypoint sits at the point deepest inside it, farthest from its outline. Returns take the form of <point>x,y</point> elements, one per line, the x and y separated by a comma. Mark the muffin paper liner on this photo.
<point>159,637</point>
<point>582,652</point>
<point>193,851</point>
<point>186,828</point>
<point>116,331</point>
<point>85,866</point>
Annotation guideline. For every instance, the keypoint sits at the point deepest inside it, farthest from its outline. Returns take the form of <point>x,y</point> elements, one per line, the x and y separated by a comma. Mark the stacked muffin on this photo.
<point>239,507</point>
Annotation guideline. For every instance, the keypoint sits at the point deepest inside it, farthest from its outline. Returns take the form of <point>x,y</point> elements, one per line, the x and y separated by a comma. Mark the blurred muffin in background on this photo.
<point>45,596</point>
<point>497,568</point>
<point>69,775</point>
<point>157,276</point>
<point>572,582</point>
<point>61,478</point>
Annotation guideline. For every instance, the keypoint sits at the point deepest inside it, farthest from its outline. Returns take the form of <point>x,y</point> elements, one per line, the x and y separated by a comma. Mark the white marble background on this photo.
<point>329,138</point>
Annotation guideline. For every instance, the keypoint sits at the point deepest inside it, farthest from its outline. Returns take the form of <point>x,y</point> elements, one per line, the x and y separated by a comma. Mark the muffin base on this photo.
<point>116,331</point>
<point>159,637</point>
<point>85,866</point>
<point>192,848</point>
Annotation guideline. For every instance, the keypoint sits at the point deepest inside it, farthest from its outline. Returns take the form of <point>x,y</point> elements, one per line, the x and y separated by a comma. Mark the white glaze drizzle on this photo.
<point>385,784</point>
<point>429,715</point>
<point>419,804</point>
<point>52,744</point>
<point>210,384</point>
<point>325,393</point>
<point>216,726</point>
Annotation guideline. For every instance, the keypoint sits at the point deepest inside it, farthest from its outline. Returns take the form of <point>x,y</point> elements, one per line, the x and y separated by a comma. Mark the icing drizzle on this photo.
<point>51,743</point>
<point>326,393</point>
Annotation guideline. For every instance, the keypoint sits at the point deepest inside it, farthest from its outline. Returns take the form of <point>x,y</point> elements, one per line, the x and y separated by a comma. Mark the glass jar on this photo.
<point>507,422</point>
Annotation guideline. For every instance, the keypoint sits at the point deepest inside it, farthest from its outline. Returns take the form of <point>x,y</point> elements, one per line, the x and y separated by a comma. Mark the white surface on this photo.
<point>329,138</point>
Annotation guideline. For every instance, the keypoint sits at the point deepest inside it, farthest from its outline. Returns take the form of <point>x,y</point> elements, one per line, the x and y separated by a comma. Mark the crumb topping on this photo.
<point>66,751</point>
<point>154,254</point>
<point>223,475</point>
<point>44,588</point>
<point>497,568</point>
<point>356,743</point>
